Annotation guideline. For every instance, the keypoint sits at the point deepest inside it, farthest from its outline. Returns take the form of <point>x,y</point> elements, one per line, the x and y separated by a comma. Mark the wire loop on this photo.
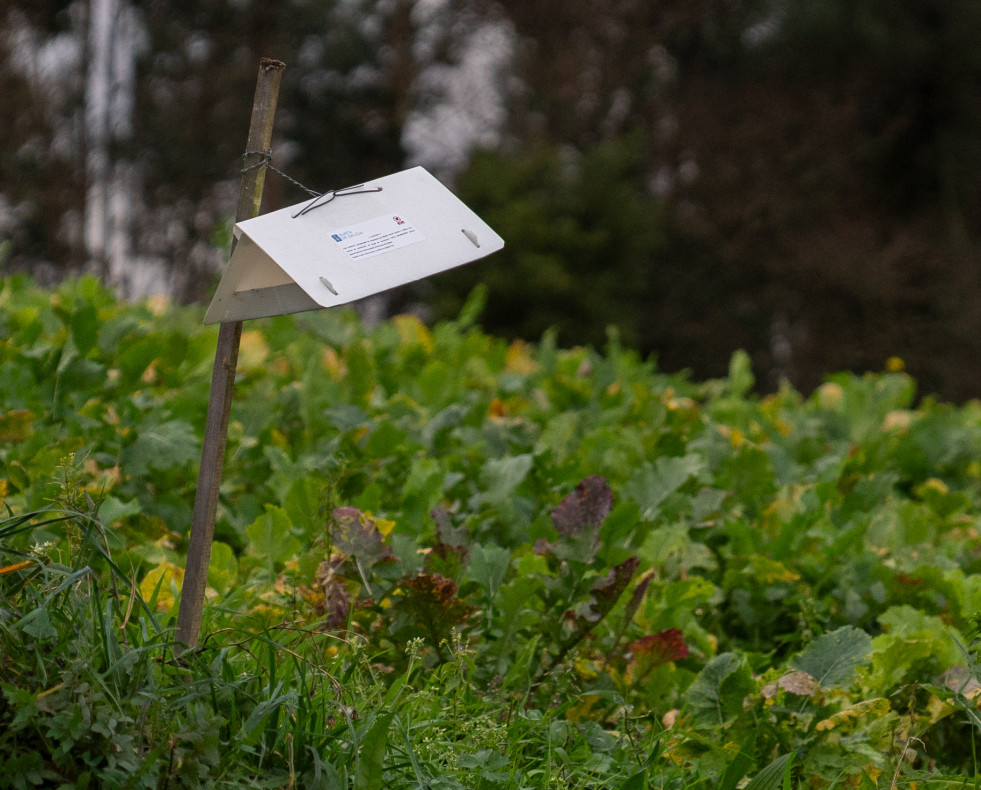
<point>266,161</point>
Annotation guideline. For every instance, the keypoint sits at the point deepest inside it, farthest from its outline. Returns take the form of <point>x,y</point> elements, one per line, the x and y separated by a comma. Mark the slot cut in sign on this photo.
<point>348,244</point>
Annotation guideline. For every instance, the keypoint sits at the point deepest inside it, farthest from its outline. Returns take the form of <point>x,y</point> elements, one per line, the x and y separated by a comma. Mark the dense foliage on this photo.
<point>446,560</point>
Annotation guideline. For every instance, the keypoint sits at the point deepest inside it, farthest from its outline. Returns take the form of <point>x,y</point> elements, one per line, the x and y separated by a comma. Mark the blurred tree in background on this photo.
<point>800,178</point>
<point>805,185</point>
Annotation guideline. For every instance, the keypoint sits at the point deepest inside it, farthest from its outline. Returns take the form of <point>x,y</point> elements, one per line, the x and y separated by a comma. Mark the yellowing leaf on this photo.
<point>782,509</point>
<point>169,578</point>
<point>17,566</point>
<point>898,421</point>
<point>734,435</point>
<point>934,484</point>
<point>149,375</point>
<point>675,402</point>
<point>961,680</point>
<point>413,332</point>
<point>870,708</point>
<point>16,425</point>
<point>581,710</point>
<point>252,351</point>
<point>158,304</point>
<point>518,360</point>
<point>585,668</point>
<point>938,709</point>
<point>497,408</point>
<point>830,396</point>
<point>333,364</point>
<point>383,525</point>
<point>769,571</point>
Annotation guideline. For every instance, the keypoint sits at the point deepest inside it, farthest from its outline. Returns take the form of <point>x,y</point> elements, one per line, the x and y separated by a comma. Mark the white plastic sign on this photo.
<point>347,245</point>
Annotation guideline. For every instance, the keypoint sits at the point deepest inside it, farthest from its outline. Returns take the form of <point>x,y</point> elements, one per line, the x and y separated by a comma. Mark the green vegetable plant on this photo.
<point>443,559</point>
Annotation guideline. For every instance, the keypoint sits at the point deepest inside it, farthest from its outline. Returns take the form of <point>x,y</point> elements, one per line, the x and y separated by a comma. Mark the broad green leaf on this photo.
<point>472,307</point>
<point>37,624</point>
<point>84,327</point>
<point>77,376</point>
<point>896,657</point>
<point>270,537</point>
<point>434,382</point>
<point>386,440</point>
<point>423,489</point>
<point>741,377</point>
<point>370,767</point>
<point>359,371</point>
<point>501,476</point>
<point>517,596</point>
<point>489,567</point>
<point>637,781</point>
<point>775,776</point>
<point>113,509</point>
<point>223,567</point>
<point>832,659</point>
<point>113,331</point>
<point>740,765</point>
<point>304,504</point>
<point>161,446</point>
<point>137,353</point>
<point>653,483</point>
<point>716,696</point>
<point>910,635</point>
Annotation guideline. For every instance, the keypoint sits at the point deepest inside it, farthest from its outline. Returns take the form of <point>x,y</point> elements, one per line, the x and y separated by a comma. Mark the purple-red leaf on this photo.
<point>336,604</point>
<point>603,596</point>
<point>636,597</point>
<point>586,508</point>
<point>355,534</point>
<point>431,600</point>
<point>445,531</point>
<point>449,556</point>
<point>608,592</point>
<point>660,648</point>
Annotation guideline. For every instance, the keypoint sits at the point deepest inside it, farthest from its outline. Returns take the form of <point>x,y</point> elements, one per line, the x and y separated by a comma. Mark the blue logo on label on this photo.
<point>335,237</point>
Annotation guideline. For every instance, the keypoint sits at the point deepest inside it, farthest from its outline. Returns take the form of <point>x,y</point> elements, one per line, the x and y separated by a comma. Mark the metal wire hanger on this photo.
<point>319,198</point>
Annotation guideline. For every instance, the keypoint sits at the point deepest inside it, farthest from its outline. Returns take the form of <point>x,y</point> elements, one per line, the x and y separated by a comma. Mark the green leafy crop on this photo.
<point>447,560</point>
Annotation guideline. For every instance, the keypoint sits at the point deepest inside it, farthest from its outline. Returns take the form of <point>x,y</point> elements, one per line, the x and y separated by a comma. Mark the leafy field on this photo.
<point>447,561</point>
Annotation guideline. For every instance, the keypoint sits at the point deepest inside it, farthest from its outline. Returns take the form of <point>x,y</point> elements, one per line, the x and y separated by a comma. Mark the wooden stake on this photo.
<point>223,378</point>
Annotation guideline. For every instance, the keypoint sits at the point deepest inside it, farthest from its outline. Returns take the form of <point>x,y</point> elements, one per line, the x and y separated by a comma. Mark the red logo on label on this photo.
<point>399,220</point>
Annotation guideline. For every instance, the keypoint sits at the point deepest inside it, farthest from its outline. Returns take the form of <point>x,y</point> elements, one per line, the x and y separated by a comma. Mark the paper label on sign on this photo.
<point>376,236</point>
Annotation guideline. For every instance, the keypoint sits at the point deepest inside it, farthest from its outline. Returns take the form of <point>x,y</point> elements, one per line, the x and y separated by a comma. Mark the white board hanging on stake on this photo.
<point>346,245</point>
